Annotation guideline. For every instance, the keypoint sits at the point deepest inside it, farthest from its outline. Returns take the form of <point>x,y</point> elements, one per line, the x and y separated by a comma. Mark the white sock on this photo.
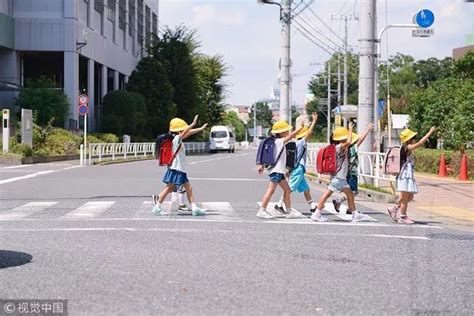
<point>158,204</point>
<point>173,197</point>
<point>181,199</point>
<point>262,209</point>
<point>194,206</point>
<point>280,202</point>
<point>312,205</point>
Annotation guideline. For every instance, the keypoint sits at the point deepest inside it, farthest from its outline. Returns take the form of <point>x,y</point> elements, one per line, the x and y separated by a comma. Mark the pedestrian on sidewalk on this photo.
<point>176,176</point>
<point>342,138</point>
<point>405,180</point>
<point>353,175</point>
<point>297,179</point>
<point>281,131</point>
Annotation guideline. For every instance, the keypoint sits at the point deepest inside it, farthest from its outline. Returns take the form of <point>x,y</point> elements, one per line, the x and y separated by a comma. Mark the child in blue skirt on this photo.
<point>176,177</point>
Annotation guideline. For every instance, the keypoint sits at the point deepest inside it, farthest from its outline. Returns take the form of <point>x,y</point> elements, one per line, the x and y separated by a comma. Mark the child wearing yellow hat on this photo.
<point>353,175</point>
<point>343,139</point>
<point>176,176</point>
<point>297,179</point>
<point>281,130</point>
<point>405,181</point>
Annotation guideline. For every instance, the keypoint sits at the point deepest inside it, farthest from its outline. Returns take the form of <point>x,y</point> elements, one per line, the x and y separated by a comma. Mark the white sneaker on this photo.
<point>294,214</point>
<point>276,213</point>
<point>359,217</point>
<point>264,214</point>
<point>318,217</point>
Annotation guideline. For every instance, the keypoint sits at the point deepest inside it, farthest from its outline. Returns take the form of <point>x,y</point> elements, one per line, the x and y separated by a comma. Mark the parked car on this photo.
<point>221,138</point>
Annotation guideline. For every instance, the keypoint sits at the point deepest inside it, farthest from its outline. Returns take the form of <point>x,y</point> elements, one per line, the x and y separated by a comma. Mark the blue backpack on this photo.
<point>266,154</point>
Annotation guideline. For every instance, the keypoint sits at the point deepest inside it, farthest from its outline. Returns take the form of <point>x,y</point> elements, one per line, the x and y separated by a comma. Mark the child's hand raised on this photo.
<point>432,130</point>
<point>195,120</point>
<point>204,126</point>
<point>314,116</point>
<point>351,126</point>
<point>370,127</point>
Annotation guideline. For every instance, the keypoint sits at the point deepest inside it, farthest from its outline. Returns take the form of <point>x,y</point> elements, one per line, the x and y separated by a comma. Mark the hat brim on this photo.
<point>412,134</point>
<point>354,139</point>
<point>301,135</point>
<point>180,129</point>
<point>282,130</point>
<point>340,138</point>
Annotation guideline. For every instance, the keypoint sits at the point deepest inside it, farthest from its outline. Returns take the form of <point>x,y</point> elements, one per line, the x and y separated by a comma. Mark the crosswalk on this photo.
<point>138,209</point>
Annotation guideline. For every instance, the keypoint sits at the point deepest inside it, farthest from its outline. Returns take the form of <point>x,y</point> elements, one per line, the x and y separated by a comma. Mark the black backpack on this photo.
<point>291,155</point>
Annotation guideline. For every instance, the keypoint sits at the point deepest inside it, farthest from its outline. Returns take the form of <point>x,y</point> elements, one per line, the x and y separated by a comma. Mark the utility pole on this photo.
<point>285,59</point>
<point>345,60</point>
<point>329,102</point>
<point>338,79</point>
<point>367,40</point>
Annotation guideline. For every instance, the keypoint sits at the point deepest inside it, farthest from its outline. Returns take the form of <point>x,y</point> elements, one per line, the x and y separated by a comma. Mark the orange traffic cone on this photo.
<point>463,171</point>
<point>442,172</point>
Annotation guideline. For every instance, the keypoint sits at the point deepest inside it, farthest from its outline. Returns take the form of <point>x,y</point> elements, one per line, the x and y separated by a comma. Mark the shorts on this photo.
<point>178,178</point>
<point>353,182</point>
<point>336,185</point>
<point>298,181</point>
<point>276,177</point>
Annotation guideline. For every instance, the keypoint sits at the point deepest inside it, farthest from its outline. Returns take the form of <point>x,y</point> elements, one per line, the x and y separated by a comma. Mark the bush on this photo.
<point>427,160</point>
<point>105,137</point>
<point>22,149</point>
<point>120,113</point>
<point>91,139</point>
<point>60,142</point>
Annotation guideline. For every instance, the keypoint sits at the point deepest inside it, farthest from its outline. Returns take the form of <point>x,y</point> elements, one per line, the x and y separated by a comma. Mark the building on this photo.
<point>242,112</point>
<point>81,45</point>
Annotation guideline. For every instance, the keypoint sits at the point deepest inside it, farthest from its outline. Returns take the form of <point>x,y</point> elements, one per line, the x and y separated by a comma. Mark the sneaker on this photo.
<point>405,220</point>
<point>278,212</point>
<point>154,199</point>
<point>337,204</point>
<point>184,210</point>
<point>318,217</point>
<point>349,212</point>
<point>359,217</point>
<point>158,211</point>
<point>312,210</point>
<point>264,214</point>
<point>198,212</point>
<point>294,214</point>
<point>279,209</point>
<point>393,212</point>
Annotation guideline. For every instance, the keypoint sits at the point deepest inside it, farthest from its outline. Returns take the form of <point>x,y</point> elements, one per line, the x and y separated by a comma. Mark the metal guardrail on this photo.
<point>112,151</point>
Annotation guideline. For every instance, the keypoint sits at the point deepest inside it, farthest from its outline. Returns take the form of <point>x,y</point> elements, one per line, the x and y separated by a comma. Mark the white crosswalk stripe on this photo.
<point>90,210</point>
<point>26,210</point>
<point>219,210</point>
<point>329,207</point>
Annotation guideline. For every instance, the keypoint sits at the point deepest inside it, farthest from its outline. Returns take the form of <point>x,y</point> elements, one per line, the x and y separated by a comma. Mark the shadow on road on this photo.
<point>10,258</point>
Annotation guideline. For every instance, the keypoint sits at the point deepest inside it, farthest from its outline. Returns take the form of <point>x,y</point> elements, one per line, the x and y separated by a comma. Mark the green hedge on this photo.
<point>427,160</point>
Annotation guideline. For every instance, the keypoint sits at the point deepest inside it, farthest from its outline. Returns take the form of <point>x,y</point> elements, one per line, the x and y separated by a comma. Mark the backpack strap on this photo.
<point>278,157</point>
<point>302,155</point>
<point>175,153</point>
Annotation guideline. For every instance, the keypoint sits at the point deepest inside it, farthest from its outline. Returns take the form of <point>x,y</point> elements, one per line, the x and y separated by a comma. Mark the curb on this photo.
<point>18,160</point>
<point>370,195</point>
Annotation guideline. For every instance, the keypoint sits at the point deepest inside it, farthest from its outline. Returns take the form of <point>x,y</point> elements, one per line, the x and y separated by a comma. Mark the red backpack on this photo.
<point>326,160</point>
<point>164,149</point>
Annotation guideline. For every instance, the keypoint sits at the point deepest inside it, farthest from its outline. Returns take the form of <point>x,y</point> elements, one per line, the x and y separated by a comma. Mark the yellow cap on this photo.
<point>280,127</point>
<point>303,132</point>
<point>177,125</point>
<point>406,135</point>
<point>355,138</point>
<point>340,133</point>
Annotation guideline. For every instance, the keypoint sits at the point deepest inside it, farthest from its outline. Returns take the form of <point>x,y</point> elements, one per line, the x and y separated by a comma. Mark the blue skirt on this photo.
<point>178,178</point>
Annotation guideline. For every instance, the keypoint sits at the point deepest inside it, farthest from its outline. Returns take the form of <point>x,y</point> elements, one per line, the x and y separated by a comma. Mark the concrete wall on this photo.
<point>5,7</point>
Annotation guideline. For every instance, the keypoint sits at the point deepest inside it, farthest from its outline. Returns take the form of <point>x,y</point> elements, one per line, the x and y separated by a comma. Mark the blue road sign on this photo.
<point>381,107</point>
<point>425,18</point>
<point>83,109</point>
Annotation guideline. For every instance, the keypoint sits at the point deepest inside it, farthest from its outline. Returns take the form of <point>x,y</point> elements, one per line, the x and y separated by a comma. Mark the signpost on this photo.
<point>6,129</point>
<point>83,109</point>
<point>27,127</point>
<point>424,19</point>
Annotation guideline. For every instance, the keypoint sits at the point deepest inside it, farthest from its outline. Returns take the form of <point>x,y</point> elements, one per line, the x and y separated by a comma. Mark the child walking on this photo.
<point>297,179</point>
<point>343,139</point>
<point>176,177</point>
<point>405,181</point>
<point>281,130</point>
<point>353,175</point>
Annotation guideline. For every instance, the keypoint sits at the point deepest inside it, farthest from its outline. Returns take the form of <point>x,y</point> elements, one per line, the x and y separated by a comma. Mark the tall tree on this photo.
<point>264,114</point>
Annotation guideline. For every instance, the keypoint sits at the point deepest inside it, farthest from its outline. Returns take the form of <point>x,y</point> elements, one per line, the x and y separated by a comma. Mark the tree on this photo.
<point>264,115</point>
<point>232,119</point>
<point>122,113</point>
<point>210,73</point>
<point>48,102</point>
<point>151,81</point>
<point>464,67</point>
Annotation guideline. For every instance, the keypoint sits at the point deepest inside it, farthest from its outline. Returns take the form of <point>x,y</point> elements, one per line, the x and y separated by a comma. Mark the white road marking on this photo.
<point>329,207</point>
<point>181,230</point>
<point>220,158</point>
<point>219,210</point>
<point>228,179</point>
<point>16,167</point>
<point>144,209</point>
<point>33,175</point>
<point>89,210</point>
<point>25,210</point>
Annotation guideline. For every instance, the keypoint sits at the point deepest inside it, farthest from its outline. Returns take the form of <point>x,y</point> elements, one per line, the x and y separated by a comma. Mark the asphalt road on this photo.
<point>86,234</point>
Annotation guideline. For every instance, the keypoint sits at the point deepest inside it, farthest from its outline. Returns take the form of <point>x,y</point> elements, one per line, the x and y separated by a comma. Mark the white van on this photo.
<point>221,138</point>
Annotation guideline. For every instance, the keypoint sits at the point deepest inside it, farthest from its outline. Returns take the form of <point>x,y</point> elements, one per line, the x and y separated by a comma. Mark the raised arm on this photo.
<point>194,131</point>
<point>190,126</point>
<point>311,127</point>
<point>349,138</point>
<point>370,128</point>
<point>292,135</point>
<point>423,140</point>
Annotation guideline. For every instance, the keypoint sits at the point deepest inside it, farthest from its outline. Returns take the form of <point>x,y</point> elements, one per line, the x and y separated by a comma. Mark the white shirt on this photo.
<point>280,166</point>
<point>179,162</point>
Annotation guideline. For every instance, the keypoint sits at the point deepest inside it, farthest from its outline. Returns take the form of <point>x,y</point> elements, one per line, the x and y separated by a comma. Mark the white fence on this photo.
<point>370,164</point>
<point>114,151</point>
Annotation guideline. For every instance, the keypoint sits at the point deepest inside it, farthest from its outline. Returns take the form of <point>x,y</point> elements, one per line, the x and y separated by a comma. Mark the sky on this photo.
<point>247,35</point>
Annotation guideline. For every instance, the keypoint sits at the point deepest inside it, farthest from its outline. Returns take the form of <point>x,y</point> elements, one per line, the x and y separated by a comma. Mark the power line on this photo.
<point>328,27</point>
<point>320,32</point>
<point>304,8</point>
<point>314,39</point>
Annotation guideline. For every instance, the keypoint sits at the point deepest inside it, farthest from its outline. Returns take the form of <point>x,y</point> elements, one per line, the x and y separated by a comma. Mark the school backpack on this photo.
<point>393,162</point>
<point>291,155</point>
<point>266,153</point>
<point>326,160</point>
<point>164,149</point>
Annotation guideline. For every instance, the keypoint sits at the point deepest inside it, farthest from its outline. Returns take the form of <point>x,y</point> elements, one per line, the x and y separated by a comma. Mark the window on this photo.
<point>87,12</point>
<point>140,22</point>
<point>219,134</point>
<point>122,15</point>
<point>111,10</point>
<point>155,24</point>
<point>131,17</point>
<point>99,6</point>
<point>148,25</point>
